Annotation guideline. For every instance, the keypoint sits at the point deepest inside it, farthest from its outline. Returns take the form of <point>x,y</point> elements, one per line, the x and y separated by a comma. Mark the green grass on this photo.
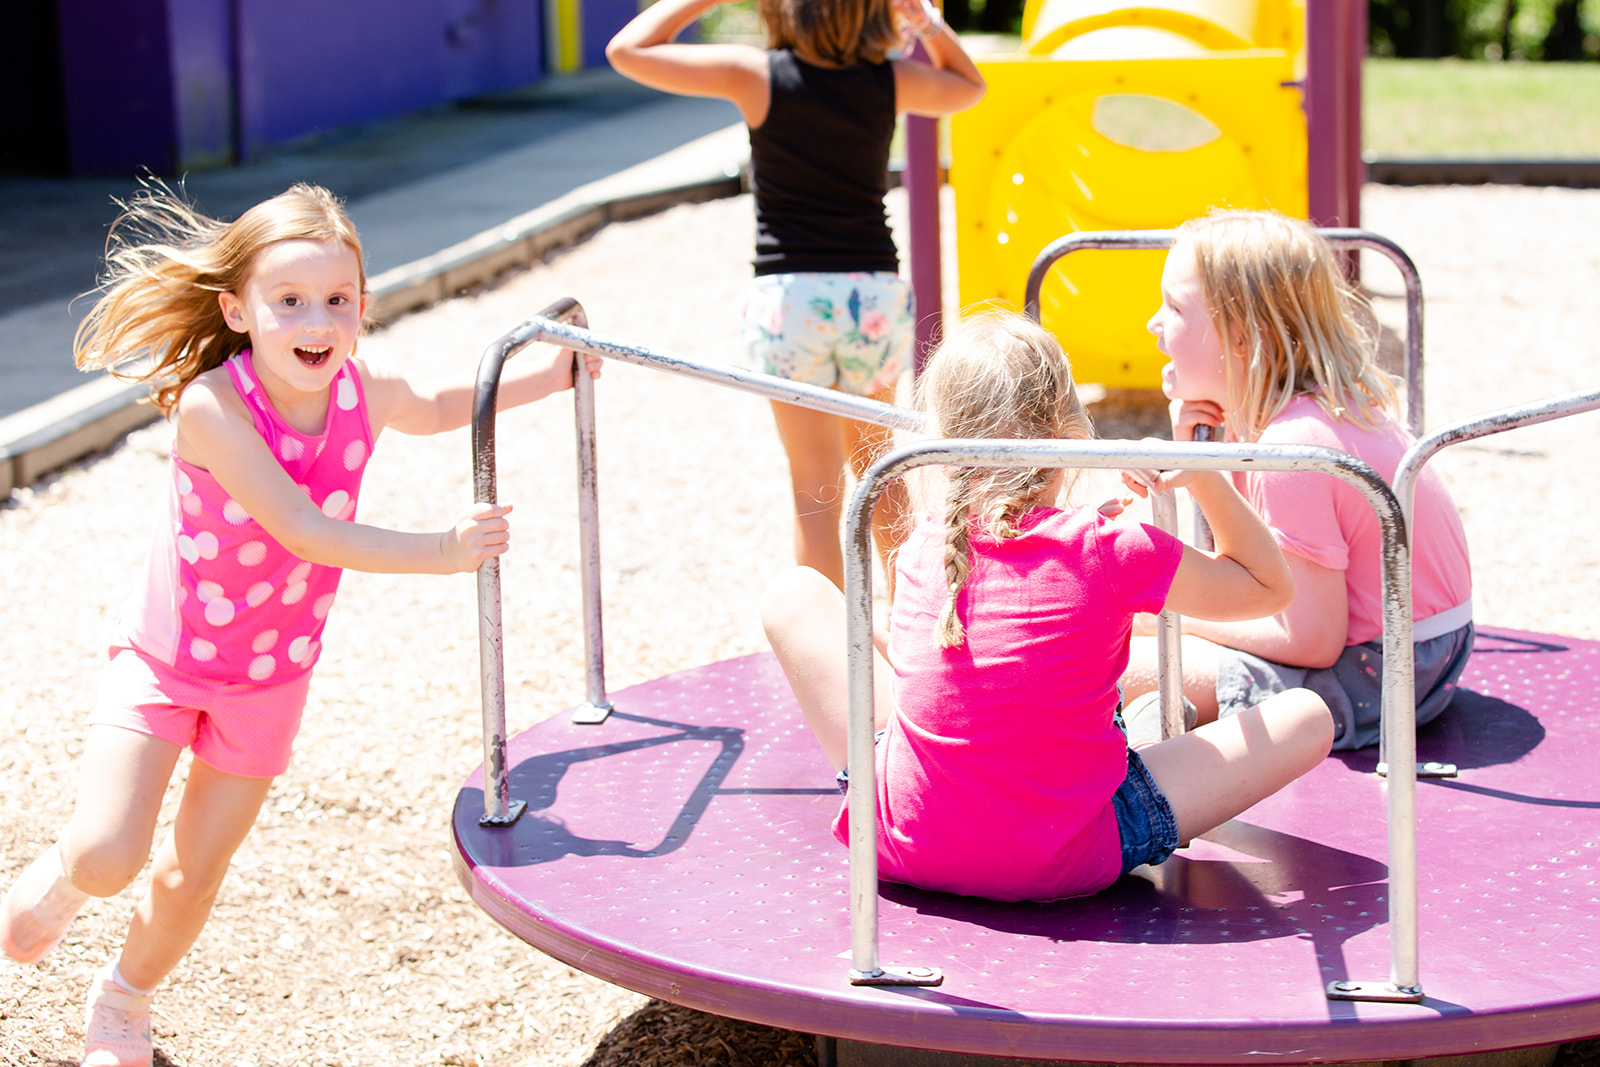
<point>1411,107</point>
<point>1459,109</point>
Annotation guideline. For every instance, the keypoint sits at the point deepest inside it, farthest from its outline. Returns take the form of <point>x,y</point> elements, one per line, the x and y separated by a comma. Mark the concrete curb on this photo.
<point>92,417</point>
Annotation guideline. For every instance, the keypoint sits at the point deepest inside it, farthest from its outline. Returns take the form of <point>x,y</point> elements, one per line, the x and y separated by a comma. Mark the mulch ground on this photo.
<point>342,936</point>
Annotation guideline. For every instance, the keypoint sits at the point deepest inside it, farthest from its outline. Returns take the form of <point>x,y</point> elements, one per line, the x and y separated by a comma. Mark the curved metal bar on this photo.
<point>1411,464</point>
<point>564,323</point>
<point>1340,237</point>
<point>1399,699</point>
<point>499,808</point>
<point>814,397</point>
<point>1169,630</point>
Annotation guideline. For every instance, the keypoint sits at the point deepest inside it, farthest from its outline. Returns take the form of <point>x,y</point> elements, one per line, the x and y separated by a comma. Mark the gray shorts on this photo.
<point>1352,687</point>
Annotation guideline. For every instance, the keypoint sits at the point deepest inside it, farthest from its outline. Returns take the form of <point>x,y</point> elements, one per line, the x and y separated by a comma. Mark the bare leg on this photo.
<point>122,779</point>
<point>814,443</point>
<point>804,616</point>
<point>1224,767</point>
<point>1199,673</point>
<point>865,444</point>
<point>216,813</point>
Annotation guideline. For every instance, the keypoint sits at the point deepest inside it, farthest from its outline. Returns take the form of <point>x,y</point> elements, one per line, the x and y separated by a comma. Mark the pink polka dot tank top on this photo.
<point>224,600</point>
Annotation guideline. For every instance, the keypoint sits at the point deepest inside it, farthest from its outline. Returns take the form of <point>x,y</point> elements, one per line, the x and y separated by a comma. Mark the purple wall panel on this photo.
<point>305,65</point>
<point>201,39</point>
<point>601,20</point>
<point>117,74</point>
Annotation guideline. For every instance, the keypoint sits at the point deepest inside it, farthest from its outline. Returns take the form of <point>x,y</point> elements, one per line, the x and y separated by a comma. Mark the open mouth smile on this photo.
<point>313,355</point>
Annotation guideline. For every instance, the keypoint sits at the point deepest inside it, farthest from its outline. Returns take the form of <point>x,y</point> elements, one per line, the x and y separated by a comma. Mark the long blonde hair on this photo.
<point>165,265</point>
<point>842,32</point>
<point>1276,294</point>
<point>996,375</point>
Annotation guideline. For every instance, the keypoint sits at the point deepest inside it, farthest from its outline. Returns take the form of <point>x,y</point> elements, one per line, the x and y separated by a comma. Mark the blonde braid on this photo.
<point>948,632</point>
<point>996,376</point>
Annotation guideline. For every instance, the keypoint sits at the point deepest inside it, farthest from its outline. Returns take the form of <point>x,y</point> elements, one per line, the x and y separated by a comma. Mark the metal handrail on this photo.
<point>1340,237</point>
<point>564,323</point>
<point>499,809</point>
<point>1399,698</point>
<point>1411,464</point>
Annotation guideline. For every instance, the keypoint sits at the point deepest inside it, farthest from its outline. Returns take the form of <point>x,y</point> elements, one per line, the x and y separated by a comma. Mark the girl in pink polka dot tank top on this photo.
<point>247,609</point>
<point>247,332</point>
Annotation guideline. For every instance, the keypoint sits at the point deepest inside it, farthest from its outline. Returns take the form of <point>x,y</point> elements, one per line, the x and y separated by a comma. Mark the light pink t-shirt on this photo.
<point>221,598</point>
<point>1329,522</point>
<point>996,774</point>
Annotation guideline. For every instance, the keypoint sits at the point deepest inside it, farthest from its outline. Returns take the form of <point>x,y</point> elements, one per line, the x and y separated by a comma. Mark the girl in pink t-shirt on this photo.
<point>1001,770</point>
<point>250,328</point>
<point>1267,341</point>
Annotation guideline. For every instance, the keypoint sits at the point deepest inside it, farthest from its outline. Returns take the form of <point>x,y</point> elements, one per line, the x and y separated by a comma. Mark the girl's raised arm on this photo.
<point>1246,577</point>
<point>948,82</point>
<point>645,51</point>
<point>215,432</point>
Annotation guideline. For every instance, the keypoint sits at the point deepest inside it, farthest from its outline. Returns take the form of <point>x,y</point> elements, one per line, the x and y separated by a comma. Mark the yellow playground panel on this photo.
<point>1063,144</point>
<point>1213,25</point>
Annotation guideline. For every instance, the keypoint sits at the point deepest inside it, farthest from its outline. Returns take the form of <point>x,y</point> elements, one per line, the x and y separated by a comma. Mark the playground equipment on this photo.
<point>680,845</point>
<point>1131,116</point>
<point>1340,238</point>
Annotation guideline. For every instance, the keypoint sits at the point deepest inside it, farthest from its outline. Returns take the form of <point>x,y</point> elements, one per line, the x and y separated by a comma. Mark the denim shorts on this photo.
<point>1352,687</point>
<point>1144,818</point>
<point>1145,822</point>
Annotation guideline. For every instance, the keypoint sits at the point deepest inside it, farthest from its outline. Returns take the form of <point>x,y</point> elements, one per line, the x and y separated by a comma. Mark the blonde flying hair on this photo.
<point>996,375</point>
<point>841,32</point>
<point>1277,296</point>
<point>165,265</point>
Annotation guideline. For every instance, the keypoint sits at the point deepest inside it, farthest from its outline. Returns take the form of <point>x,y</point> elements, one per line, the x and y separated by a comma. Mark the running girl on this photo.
<point>251,329</point>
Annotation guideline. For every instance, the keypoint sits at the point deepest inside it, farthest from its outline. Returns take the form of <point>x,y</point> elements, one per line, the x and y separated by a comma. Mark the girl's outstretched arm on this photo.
<point>645,50</point>
<point>395,402</point>
<point>215,432</point>
<point>1246,577</point>
<point>948,82</point>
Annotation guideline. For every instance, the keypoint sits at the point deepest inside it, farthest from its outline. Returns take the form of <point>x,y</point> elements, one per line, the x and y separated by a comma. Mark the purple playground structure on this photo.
<point>674,838</point>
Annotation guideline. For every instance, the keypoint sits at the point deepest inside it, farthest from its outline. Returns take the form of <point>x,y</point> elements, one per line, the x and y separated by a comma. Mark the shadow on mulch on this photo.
<point>1578,1054</point>
<point>665,1035</point>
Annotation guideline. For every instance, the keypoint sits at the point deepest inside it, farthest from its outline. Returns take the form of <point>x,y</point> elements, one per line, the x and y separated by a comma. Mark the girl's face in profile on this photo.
<point>1185,335</point>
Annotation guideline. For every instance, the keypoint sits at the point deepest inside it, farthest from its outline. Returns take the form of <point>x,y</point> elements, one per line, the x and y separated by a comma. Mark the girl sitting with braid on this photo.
<point>1001,768</point>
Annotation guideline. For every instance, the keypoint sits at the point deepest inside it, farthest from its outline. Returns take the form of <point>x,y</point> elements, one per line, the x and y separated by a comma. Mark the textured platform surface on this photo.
<point>683,850</point>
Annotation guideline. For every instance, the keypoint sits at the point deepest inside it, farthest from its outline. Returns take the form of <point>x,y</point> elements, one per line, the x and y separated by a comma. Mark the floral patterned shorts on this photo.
<point>851,330</point>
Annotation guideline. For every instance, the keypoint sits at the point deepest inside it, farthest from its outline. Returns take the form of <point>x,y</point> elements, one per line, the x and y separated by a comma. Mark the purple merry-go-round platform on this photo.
<point>682,849</point>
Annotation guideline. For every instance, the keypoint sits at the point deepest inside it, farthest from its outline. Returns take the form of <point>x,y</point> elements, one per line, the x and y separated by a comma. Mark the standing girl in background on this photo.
<point>251,330</point>
<point>826,306</point>
<point>1266,341</point>
<point>1001,772</point>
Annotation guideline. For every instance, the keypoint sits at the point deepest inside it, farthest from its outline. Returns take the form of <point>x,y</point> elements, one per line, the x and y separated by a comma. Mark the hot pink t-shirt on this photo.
<point>221,598</point>
<point>996,774</point>
<point>1329,522</point>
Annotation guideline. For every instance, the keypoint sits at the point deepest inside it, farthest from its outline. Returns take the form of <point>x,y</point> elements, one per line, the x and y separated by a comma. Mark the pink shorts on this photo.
<point>242,729</point>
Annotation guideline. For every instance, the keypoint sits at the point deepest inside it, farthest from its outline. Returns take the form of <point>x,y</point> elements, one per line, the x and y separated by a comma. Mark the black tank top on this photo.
<point>821,167</point>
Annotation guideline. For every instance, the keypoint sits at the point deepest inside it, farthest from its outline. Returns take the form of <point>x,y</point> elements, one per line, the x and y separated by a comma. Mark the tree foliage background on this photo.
<point>1551,30</point>
<point>1557,30</point>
